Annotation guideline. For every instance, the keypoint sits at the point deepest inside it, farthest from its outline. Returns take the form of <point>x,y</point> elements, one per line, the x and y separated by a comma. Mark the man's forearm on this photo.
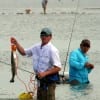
<point>53,70</point>
<point>20,49</point>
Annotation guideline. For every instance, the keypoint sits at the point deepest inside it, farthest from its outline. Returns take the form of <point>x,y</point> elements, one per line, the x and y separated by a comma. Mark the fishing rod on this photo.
<point>70,39</point>
<point>18,67</point>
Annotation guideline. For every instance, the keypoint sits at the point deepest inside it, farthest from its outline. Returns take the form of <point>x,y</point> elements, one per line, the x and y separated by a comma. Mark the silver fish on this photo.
<point>13,65</point>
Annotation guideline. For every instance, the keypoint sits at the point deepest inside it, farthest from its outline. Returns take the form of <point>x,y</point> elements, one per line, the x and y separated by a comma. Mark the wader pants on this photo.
<point>46,94</point>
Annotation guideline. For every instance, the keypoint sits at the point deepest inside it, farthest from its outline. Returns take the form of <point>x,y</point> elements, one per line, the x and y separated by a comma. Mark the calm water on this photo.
<point>26,29</point>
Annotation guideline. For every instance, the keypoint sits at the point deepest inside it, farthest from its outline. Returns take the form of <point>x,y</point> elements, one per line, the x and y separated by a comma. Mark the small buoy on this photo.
<point>25,96</point>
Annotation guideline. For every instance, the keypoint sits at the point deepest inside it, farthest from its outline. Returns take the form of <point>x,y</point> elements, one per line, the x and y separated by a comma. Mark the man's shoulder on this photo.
<point>52,47</point>
<point>37,44</point>
<point>76,51</point>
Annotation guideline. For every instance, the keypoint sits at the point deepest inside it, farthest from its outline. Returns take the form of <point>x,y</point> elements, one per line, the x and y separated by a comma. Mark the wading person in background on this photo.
<point>44,5</point>
<point>79,65</point>
<point>46,64</point>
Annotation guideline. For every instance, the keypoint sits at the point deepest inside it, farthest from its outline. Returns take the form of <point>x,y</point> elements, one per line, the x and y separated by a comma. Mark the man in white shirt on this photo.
<point>46,64</point>
<point>44,5</point>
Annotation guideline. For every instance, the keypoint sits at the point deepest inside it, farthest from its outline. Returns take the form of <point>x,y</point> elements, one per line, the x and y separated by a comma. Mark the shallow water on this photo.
<point>26,28</point>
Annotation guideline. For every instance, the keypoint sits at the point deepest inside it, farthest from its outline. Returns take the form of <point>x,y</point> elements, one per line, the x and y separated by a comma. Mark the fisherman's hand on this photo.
<point>89,65</point>
<point>41,75</point>
<point>13,40</point>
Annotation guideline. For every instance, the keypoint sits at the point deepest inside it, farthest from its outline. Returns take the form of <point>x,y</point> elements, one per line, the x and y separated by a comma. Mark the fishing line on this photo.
<point>18,67</point>
<point>74,21</point>
<point>32,85</point>
<point>31,82</point>
<point>31,88</point>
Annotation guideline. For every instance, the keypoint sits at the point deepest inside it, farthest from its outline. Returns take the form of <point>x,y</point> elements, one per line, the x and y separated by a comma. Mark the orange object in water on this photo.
<point>13,47</point>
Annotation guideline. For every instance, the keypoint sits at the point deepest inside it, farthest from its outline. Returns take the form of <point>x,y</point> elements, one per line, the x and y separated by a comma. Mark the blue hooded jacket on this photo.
<point>77,69</point>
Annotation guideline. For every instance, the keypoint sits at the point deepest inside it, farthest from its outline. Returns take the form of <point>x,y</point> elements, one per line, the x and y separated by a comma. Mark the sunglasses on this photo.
<point>86,45</point>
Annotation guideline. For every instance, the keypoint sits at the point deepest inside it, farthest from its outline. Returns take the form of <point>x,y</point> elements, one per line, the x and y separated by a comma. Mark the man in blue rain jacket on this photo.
<point>79,64</point>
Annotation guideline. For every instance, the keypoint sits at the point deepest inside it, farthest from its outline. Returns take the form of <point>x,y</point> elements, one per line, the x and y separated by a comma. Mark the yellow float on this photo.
<point>25,96</point>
